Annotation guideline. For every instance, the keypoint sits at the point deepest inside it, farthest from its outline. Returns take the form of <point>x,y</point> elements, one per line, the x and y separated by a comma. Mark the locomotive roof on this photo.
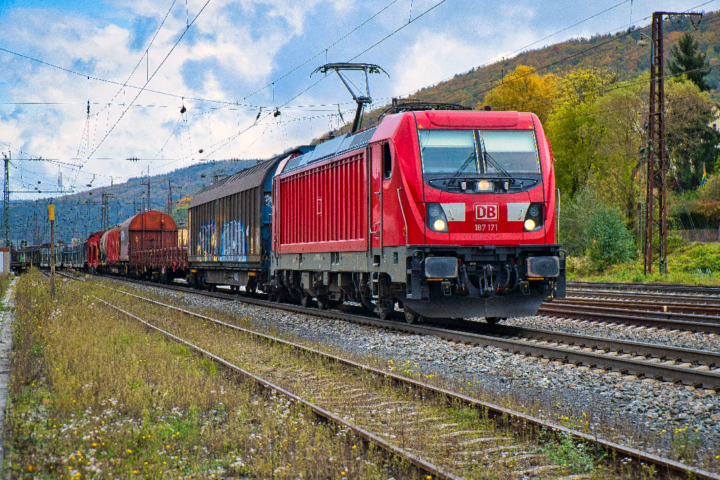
<point>243,180</point>
<point>333,147</point>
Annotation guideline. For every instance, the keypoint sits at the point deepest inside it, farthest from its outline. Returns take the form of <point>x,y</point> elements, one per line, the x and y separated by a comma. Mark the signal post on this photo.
<point>51,217</point>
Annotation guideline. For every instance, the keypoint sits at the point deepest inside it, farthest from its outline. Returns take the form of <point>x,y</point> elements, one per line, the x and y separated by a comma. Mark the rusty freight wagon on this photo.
<point>149,242</point>
<point>229,228</point>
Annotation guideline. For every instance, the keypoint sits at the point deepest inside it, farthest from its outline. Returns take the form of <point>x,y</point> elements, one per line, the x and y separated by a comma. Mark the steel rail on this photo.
<point>497,410</point>
<point>659,305</point>
<point>640,368</point>
<point>615,294</point>
<point>658,287</point>
<point>648,319</point>
<point>636,349</point>
<point>321,412</point>
<point>654,351</point>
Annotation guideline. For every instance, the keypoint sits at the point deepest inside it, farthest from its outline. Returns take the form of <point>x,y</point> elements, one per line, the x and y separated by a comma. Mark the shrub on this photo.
<point>574,216</point>
<point>609,241</point>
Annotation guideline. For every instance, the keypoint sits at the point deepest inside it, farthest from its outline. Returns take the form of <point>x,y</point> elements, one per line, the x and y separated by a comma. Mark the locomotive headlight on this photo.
<point>484,186</point>
<point>436,219</point>
<point>533,217</point>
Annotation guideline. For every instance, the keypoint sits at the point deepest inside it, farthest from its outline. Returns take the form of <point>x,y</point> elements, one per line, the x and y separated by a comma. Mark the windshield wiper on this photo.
<point>494,164</point>
<point>467,161</point>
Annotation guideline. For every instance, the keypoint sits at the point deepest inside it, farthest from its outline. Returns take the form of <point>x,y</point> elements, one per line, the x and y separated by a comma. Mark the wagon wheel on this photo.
<point>412,318</point>
<point>384,316</point>
<point>493,320</point>
<point>305,300</point>
<point>323,303</point>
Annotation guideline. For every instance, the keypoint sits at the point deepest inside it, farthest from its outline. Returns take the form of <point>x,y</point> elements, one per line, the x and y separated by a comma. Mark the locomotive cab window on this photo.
<point>387,161</point>
<point>475,161</point>
<point>484,152</point>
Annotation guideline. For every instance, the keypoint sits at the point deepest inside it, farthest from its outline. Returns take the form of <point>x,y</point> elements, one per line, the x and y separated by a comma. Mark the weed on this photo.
<point>105,398</point>
<point>564,450</point>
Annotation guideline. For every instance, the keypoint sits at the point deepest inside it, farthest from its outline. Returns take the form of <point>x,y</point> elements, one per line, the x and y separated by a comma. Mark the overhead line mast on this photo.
<point>655,241</point>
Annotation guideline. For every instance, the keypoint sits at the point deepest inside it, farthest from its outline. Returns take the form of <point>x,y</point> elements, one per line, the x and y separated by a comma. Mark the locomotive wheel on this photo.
<point>493,320</point>
<point>305,300</point>
<point>412,318</point>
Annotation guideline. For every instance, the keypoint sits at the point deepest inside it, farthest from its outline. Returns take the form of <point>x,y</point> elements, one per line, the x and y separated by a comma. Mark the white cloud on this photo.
<point>432,58</point>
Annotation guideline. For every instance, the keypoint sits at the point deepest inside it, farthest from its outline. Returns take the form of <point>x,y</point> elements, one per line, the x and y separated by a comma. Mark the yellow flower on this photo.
<point>129,451</point>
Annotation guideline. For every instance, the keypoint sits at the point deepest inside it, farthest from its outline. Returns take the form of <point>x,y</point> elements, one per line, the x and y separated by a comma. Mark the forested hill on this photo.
<point>618,53</point>
<point>79,214</point>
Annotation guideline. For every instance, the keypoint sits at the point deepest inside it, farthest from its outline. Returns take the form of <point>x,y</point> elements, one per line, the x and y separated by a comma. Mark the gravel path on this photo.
<point>667,416</point>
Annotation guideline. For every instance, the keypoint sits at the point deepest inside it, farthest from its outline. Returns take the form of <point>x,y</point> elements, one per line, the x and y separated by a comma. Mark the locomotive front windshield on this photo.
<point>463,152</point>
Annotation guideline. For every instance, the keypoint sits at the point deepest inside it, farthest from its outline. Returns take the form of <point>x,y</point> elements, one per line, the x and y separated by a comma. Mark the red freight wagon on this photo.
<point>448,213</point>
<point>149,243</point>
<point>93,250</point>
<point>110,247</point>
<point>145,245</point>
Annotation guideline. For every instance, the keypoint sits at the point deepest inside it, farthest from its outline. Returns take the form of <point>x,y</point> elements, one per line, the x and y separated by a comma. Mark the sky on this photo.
<point>97,88</point>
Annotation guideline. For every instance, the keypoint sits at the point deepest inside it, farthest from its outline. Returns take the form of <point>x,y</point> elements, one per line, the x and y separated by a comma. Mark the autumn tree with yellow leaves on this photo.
<point>523,90</point>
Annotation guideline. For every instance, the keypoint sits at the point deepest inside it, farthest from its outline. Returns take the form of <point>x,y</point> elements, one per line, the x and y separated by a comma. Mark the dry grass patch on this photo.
<point>95,394</point>
<point>460,439</point>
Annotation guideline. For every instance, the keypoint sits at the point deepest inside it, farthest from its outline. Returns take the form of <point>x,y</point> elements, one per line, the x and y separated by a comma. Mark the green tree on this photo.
<point>574,126</point>
<point>691,141</point>
<point>688,60</point>
<point>608,238</point>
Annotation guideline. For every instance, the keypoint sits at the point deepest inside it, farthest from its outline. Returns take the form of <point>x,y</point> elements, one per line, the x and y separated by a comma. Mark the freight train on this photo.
<point>440,213</point>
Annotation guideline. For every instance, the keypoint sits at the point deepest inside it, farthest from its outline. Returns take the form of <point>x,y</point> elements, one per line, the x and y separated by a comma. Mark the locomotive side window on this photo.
<point>387,161</point>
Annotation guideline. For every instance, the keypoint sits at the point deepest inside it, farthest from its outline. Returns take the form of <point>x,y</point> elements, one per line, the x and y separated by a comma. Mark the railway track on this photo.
<point>677,365</point>
<point>661,308</point>
<point>527,461</point>
<point>672,288</point>
<point>630,315</point>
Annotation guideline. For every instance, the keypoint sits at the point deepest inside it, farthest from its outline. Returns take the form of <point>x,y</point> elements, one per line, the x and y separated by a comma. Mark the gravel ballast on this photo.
<point>665,415</point>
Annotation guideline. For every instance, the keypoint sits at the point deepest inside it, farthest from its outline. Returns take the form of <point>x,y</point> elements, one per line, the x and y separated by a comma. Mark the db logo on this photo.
<point>486,212</point>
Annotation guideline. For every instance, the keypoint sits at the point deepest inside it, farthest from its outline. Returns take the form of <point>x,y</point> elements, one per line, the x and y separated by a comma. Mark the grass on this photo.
<point>582,417</point>
<point>688,263</point>
<point>257,360</point>
<point>95,394</point>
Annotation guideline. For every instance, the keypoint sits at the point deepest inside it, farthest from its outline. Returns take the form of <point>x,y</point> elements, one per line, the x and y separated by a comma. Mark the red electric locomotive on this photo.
<point>450,213</point>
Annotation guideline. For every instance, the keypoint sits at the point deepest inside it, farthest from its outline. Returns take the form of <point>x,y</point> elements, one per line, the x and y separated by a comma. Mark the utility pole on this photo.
<point>6,200</point>
<point>169,203</point>
<point>655,244</point>
<point>105,212</point>
<point>51,217</point>
<point>134,208</point>
<point>148,191</point>
<point>36,233</point>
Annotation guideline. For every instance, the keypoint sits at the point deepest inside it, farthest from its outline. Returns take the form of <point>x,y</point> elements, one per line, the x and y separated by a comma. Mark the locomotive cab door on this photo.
<point>376,199</point>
